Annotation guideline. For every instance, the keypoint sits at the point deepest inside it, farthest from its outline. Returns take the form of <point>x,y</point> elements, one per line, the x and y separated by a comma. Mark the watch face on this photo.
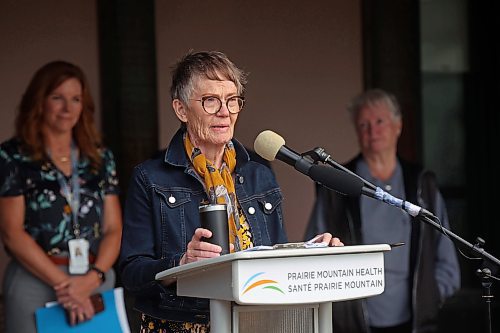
<point>100,273</point>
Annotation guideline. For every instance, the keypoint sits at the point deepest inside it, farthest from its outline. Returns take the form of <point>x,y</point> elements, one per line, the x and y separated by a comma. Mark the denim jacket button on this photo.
<point>241,180</point>
<point>268,206</point>
<point>171,199</point>
<point>251,210</point>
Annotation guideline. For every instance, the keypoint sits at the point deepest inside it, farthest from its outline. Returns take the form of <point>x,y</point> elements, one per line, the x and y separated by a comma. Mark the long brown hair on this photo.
<point>30,116</point>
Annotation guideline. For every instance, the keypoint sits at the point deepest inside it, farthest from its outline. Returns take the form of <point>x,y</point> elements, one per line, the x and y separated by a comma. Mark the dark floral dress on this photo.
<point>154,325</point>
<point>48,217</point>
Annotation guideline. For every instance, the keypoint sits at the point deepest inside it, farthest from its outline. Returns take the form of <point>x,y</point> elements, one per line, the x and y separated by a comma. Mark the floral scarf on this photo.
<point>219,186</point>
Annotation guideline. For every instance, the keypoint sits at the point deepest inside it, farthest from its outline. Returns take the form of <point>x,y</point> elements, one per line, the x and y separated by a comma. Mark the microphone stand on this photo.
<point>484,274</point>
<point>486,282</point>
<point>320,155</point>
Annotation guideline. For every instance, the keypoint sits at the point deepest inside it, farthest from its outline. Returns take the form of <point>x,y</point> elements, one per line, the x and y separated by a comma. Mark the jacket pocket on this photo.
<point>270,202</point>
<point>174,198</point>
<point>178,218</point>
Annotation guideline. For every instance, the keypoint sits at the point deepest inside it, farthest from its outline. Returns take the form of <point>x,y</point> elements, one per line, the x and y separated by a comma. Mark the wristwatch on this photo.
<point>100,273</point>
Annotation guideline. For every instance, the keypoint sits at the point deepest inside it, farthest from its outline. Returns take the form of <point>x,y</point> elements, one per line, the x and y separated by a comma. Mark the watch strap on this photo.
<point>99,272</point>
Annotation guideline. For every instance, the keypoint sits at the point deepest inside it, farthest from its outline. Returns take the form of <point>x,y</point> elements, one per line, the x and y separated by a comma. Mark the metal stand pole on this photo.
<point>485,275</point>
<point>220,316</point>
<point>325,317</point>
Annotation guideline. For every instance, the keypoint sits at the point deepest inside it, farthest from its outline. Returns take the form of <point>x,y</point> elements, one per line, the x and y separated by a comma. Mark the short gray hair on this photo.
<point>372,97</point>
<point>212,65</point>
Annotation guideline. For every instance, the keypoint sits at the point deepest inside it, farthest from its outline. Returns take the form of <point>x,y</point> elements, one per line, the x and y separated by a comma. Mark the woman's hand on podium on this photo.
<point>327,239</point>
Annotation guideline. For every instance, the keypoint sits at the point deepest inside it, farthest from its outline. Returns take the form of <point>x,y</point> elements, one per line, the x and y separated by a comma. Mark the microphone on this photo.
<point>271,146</point>
<point>336,180</point>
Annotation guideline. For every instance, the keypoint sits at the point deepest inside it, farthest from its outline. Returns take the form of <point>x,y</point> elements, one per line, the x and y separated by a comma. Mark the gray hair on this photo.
<point>372,97</point>
<point>211,65</point>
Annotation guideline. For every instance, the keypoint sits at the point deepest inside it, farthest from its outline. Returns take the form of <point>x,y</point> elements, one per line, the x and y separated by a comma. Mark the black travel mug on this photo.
<point>214,218</point>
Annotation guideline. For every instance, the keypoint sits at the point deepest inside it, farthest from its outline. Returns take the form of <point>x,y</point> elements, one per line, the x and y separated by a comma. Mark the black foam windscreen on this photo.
<point>336,180</point>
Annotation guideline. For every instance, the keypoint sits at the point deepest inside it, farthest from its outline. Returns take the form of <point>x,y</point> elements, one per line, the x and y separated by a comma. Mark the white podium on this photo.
<point>268,280</point>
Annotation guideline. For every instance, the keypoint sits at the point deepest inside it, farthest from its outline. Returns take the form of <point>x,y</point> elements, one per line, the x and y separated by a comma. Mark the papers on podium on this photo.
<point>310,244</point>
<point>52,318</point>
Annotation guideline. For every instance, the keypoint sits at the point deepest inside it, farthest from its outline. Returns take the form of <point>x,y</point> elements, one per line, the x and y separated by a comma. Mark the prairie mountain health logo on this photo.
<point>257,281</point>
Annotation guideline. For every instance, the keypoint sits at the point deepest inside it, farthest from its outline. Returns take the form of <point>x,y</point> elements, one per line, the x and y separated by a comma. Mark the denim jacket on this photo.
<point>161,215</point>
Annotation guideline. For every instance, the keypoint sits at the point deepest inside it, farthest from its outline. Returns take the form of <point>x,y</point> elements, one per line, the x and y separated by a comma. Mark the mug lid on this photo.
<point>212,207</point>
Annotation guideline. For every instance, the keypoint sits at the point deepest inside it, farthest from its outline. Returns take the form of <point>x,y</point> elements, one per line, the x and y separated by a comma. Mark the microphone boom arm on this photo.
<point>320,155</point>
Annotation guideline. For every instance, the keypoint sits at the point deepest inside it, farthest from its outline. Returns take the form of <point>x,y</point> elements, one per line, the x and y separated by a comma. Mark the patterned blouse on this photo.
<point>48,218</point>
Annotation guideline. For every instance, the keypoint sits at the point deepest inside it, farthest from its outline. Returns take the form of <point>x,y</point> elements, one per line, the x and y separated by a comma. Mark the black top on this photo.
<point>48,218</point>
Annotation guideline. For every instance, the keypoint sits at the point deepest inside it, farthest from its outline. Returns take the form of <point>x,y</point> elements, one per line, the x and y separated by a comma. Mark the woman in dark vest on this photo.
<point>420,275</point>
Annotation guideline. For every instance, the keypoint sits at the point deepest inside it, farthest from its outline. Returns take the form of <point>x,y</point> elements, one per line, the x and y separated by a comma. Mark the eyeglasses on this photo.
<point>213,104</point>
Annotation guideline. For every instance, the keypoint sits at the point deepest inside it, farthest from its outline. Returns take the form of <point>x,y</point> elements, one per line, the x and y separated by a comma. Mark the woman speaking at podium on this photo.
<point>202,163</point>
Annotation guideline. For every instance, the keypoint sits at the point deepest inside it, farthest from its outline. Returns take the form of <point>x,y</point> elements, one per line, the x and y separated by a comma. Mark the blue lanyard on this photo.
<point>72,194</point>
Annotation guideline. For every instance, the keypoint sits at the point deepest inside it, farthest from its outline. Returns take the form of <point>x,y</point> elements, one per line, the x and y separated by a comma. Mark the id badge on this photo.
<point>78,256</point>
